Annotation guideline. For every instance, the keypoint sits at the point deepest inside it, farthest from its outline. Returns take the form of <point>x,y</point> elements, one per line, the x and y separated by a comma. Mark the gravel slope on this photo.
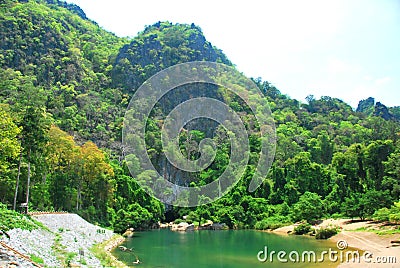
<point>67,234</point>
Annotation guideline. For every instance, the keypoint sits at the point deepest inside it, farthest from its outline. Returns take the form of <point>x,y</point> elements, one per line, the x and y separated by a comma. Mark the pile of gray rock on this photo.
<point>67,234</point>
<point>37,242</point>
<point>9,258</point>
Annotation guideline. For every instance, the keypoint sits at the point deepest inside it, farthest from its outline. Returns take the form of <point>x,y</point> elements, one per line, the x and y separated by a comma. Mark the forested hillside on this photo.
<point>65,84</point>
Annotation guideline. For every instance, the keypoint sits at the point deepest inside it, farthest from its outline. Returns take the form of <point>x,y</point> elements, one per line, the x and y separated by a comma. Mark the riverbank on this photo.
<point>103,252</point>
<point>360,235</point>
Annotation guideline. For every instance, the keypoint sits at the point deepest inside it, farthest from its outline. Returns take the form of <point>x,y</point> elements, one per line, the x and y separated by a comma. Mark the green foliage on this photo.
<point>177,221</point>
<point>325,233</point>
<point>134,216</point>
<point>10,219</point>
<point>302,228</point>
<point>272,223</point>
<point>382,214</point>
<point>36,259</point>
<point>388,214</point>
<point>64,87</point>
<point>160,46</point>
<point>10,149</point>
<point>364,205</point>
<point>9,145</point>
<point>391,180</point>
<point>309,208</point>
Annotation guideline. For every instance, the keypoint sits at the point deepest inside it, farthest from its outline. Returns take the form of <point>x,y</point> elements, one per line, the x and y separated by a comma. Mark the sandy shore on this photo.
<point>379,246</point>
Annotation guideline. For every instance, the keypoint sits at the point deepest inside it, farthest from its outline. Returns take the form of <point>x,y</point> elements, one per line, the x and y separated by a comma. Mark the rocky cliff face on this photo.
<point>160,46</point>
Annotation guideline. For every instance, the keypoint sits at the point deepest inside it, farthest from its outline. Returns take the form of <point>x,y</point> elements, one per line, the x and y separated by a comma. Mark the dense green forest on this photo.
<point>65,84</point>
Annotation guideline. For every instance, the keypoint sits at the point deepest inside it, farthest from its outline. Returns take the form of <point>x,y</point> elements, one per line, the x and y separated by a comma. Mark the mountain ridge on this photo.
<point>65,85</point>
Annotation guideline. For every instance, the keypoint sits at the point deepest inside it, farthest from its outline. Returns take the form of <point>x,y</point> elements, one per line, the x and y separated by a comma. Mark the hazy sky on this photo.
<point>349,49</point>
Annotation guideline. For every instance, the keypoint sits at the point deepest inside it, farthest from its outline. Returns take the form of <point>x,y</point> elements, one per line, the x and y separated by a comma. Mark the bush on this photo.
<point>133,216</point>
<point>9,219</point>
<point>177,221</point>
<point>382,214</point>
<point>272,223</point>
<point>385,214</point>
<point>191,217</point>
<point>309,208</point>
<point>394,218</point>
<point>337,216</point>
<point>303,228</point>
<point>325,233</point>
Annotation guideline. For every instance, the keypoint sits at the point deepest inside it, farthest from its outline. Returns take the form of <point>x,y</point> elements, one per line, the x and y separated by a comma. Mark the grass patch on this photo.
<point>388,231</point>
<point>62,255</point>
<point>383,230</point>
<point>362,229</point>
<point>82,261</point>
<point>36,259</point>
<point>105,257</point>
<point>69,258</point>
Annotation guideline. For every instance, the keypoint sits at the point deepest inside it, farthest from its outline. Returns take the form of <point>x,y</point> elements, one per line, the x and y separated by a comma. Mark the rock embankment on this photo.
<point>67,240</point>
<point>12,258</point>
<point>36,243</point>
<point>77,235</point>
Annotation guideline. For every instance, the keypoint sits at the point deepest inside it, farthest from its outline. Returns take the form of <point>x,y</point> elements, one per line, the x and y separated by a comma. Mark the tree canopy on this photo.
<point>65,84</point>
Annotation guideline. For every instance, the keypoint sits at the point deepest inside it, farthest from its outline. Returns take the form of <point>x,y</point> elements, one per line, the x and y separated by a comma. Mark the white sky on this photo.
<point>349,49</point>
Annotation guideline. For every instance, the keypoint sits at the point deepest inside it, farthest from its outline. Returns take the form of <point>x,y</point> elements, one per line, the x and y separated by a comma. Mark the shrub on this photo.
<point>337,216</point>
<point>303,228</point>
<point>309,207</point>
<point>385,214</point>
<point>382,214</point>
<point>395,218</point>
<point>10,219</point>
<point>177,221</point>
<point>272,223</point>
<point>325,233</point>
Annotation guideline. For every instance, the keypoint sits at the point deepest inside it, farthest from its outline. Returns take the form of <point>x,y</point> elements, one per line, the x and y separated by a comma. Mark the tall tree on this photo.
<point>10,149</point>
<point>35,127</point>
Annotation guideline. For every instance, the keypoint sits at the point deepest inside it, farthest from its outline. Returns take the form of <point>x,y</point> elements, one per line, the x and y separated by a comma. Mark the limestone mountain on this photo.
<point>160,46</point>
<point>65,81</point>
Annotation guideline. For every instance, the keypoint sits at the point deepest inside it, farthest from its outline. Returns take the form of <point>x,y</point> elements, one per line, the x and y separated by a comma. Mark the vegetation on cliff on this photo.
<point>65,84</point>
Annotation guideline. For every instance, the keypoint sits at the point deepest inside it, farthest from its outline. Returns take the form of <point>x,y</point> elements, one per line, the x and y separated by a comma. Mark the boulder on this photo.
<point>182,227</point>
<point>219,226</point>
<point>206,226</point>
<point>128,233</point>
<point>163,225</point>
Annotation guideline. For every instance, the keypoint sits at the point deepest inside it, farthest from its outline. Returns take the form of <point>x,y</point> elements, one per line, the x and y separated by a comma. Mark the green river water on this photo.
<point>233,249</point>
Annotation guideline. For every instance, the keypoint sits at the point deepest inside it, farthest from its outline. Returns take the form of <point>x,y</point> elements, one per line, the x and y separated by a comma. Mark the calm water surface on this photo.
<point>233,249</point>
